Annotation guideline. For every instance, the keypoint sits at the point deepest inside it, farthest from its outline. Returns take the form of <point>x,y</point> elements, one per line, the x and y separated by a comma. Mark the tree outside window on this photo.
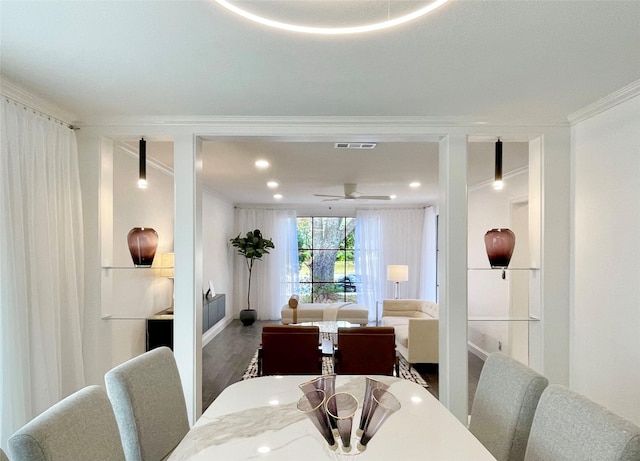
<point>326,259</point>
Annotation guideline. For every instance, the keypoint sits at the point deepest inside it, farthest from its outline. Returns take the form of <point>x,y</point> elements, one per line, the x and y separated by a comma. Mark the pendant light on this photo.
<point>497,182</point>
<point>142,176</point>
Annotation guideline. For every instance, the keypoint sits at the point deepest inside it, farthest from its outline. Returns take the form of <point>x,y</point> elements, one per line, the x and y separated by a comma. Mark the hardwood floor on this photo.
<point>227,356</point>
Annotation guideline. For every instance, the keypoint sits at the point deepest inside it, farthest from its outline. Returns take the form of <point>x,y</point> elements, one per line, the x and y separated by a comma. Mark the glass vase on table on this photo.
<point>333,415</point>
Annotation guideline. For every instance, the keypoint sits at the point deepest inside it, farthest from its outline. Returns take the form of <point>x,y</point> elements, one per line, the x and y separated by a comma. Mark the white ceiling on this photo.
<point>512,61</point>
<point>488,59</point>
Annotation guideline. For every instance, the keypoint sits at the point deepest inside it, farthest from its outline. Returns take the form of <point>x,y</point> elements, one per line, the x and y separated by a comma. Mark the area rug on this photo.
<point>406,372</point>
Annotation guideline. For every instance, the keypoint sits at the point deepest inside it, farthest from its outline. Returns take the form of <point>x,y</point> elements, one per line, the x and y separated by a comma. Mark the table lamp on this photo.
<point>397,274</point>
<point>167,270</point>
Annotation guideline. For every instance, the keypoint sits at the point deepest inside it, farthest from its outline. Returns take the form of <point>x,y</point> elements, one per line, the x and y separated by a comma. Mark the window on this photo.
<point>325,259</point>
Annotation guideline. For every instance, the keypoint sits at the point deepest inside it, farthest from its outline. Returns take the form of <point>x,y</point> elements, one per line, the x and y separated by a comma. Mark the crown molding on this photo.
<point>609,101</point>
<point>22,96</point>
<point>320,121</point>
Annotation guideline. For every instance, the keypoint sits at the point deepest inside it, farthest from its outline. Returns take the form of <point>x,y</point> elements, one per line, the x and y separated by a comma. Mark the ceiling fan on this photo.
<point>350,193</point>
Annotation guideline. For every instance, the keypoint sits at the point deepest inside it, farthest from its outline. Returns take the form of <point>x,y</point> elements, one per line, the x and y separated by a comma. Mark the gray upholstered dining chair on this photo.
<point>148,401</point>
<point>81,426</point>
<point>504,406</point>
<point>570,427</point>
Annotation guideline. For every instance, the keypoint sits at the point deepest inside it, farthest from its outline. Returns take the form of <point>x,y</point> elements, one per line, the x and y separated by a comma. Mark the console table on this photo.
<point>160,329</point>
<point>160,324</point>
<point>213,310</point>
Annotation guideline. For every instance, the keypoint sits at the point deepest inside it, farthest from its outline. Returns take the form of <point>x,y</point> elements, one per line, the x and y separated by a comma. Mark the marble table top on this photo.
<point>328,326</point>
<point>257,419</point>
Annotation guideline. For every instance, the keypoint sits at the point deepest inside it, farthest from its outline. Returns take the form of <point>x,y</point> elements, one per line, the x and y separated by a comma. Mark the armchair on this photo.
<point>366,350</point>
<point>289,350</point>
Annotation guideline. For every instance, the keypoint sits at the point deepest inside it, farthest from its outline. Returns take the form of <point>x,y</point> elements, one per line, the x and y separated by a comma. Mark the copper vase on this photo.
<point>499,244</point>
<point>143,242</point>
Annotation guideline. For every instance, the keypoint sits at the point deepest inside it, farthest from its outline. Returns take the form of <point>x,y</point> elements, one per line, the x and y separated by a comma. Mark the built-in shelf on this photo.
<point>502,319</point>
<point>119,317</point>
<point>136,268</point>
<point>501,269</point>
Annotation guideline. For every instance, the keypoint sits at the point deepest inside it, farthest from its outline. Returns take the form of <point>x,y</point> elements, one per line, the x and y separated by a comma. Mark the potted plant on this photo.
<point>253,247</point>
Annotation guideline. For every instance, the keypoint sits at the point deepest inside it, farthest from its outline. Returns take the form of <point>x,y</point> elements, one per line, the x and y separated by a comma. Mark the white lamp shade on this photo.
<point>398,273</point>
<point>166,264</point>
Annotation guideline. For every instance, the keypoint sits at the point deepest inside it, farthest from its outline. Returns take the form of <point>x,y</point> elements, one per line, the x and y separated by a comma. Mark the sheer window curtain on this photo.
<point>395,236</point>
<point>369,262</point>
<point>41,266</point>
<point>428,283</point>
<point>274,278</point>
<point>402,244</point>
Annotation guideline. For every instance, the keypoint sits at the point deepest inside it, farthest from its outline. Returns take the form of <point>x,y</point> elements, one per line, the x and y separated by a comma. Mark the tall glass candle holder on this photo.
<point>370,385</point>
<point>383,405</point>
<point>345,408</point>
<point>312,404</point>
<point>333,414</point>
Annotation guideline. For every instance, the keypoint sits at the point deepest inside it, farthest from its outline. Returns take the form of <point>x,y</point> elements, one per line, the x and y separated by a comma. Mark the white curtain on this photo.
<point>41,266</point>
<point>369,262</point>
<point>275,277</point>
<point>428,282</point>
<point>394,236</point>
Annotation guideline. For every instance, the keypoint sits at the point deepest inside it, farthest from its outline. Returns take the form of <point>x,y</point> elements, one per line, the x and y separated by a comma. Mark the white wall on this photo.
<point>605,336</point>
<point>97,333</point>
<point>217,257</point>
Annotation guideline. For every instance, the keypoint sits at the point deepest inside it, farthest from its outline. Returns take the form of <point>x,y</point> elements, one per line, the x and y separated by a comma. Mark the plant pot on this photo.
<point>248,316</point>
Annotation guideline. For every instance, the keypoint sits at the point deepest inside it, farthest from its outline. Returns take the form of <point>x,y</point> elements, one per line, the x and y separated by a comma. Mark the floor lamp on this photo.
<point>397,274</point>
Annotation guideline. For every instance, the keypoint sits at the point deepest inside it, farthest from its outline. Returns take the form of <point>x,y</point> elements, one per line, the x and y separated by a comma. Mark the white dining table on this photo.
<point>257,419</point>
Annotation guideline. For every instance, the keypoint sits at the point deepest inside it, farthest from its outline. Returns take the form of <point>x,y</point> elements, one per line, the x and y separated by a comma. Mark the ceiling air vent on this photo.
<point>354,145</point>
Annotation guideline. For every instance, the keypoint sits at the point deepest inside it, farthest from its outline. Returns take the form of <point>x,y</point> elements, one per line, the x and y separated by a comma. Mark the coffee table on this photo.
<point>330,327</point>
<point>328,333</point>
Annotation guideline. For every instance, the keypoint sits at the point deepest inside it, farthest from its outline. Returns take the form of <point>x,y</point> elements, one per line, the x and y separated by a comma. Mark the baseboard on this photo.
<point>212,332</point>
<point>477,351</point>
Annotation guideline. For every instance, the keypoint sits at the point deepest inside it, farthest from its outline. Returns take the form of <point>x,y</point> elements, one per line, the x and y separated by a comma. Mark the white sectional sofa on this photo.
<point>416,325</point>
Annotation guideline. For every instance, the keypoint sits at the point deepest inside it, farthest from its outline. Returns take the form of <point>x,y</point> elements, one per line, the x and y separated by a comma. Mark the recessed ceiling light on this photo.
<point>272,184</point>
<point>414,184</point>
<point>277,196</point>
<point>264,450</point>
<point>262,164</point>
<point>393,196</point>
